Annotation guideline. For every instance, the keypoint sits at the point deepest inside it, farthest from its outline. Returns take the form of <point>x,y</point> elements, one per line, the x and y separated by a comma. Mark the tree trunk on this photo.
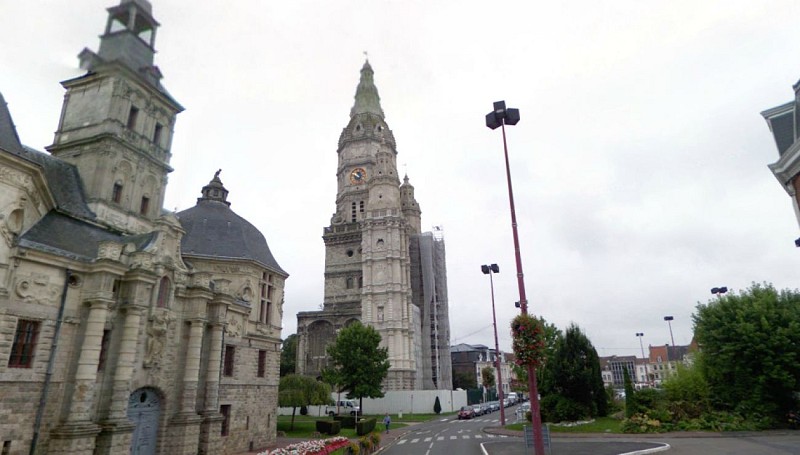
<point>291,427</point>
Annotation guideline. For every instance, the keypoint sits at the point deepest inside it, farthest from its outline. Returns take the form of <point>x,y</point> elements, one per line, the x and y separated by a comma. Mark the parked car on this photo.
<point>495,406</point>
<point>486,408</point>
<point>466,412</point>
<point>477,409</point>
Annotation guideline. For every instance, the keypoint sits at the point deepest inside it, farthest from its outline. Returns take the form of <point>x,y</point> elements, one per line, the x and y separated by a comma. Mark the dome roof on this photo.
<point>213,230</point>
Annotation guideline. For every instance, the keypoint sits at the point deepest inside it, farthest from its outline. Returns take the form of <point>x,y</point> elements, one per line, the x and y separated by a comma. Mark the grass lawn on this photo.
<point>305,426</point>
<point>600,425</point>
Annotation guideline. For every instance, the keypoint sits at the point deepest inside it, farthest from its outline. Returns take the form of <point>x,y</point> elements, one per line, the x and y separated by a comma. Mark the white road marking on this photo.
<point>414,440</point>
<point>402,441</point>
<point>440,438</point>
<point>428,439</point>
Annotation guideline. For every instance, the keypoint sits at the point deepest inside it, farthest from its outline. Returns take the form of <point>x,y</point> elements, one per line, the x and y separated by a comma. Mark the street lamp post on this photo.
<point>499,117</point>
<point>489,270</point>
<point>719,291</point>
<point>646,373</point>
<point>669,320</point>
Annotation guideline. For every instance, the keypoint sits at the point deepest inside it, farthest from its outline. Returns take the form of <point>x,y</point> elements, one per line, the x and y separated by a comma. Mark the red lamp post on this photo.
<point>489,270</point>
<point>499,117</point>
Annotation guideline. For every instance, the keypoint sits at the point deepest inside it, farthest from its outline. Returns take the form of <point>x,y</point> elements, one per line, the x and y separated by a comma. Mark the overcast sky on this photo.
<point>639,165</point>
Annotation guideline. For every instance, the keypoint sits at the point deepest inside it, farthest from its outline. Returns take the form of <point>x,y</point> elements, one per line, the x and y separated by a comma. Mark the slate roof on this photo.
<point>62,178</point>
<point>64,182</point>
<point>8,133</point>
<point>213,230</point>
<point>62,235</point>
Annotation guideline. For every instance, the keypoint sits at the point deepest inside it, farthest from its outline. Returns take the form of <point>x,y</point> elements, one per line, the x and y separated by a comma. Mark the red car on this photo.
<point>466,412</point>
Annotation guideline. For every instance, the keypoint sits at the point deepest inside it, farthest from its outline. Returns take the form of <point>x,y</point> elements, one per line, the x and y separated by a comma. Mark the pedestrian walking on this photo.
<point>387,421</point>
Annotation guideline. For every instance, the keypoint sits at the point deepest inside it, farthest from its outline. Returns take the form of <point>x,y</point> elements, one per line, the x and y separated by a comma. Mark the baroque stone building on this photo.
<point>380,268</point>
<point>125,328</point>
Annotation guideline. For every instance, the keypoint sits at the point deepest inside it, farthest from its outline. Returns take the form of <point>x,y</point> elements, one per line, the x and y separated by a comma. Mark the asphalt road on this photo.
<point>449,436</point>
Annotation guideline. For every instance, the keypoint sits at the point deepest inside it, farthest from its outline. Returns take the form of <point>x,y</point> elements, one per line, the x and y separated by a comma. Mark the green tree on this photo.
<point>487,376</point>
<point>359,363</point>
<point>630,397</point>
<point>464,381</point>
<point>751,350</point>
<point>295,391</point>
<point>572,378</point>
<point>437,406</point>
<point>487,380</point>
<point>289,355</point>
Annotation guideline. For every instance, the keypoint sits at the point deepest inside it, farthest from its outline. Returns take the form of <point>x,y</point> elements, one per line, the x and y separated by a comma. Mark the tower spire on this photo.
<point>367,99</point>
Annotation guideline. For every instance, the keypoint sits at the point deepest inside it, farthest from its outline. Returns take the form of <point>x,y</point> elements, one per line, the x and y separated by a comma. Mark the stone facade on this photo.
<point>125,328</point>
<point>372,248</point>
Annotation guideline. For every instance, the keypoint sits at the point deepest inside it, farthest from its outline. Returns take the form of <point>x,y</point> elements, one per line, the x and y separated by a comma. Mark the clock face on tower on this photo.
<point>358,175</point>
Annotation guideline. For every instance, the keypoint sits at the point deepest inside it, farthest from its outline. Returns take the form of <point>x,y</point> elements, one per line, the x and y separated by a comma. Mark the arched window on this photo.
<point>163,292</point>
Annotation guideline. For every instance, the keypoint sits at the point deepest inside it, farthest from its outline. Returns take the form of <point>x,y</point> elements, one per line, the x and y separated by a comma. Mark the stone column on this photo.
<point>78,433</point>
<point>210,441</point>
<point>117,429</point>
<point>184,427</point>
<point>191,374</point>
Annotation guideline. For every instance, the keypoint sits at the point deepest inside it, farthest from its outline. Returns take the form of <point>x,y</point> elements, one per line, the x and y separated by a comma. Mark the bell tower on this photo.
<point>367,274</point>
<point>117,122</point>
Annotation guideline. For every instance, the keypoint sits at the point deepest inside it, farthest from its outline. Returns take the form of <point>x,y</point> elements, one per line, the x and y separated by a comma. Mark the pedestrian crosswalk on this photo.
<point>449,438</point>
<point>477,421</point>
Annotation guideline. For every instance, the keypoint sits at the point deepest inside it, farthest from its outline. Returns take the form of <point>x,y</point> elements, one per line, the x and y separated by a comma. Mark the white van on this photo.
<point>343,407</point>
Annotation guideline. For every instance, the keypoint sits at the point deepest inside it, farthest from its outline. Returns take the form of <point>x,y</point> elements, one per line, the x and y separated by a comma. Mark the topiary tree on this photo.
<point>437,407</point>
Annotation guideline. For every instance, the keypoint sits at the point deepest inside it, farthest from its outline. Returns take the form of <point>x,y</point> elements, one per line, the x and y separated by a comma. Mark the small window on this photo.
<point>225,410</point>
<point>101,362</point>
<point>116,194</point>
<point>349,283</point>
<point>262,363</point>
<point>132,115</point>
<point>230,352</point>
<point>163,292</point>
<point>24,344</point>
<point>145,205</point>
<point>157,134</point>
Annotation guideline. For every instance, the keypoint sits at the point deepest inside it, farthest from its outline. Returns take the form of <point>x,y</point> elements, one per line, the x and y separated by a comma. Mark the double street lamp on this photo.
<point>499,117</point>
<point>489,270</point>
<point>719,291</point>
<point>646,373</point>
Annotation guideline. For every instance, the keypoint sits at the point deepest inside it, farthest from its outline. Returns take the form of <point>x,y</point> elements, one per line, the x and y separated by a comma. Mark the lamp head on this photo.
<point>668,318</point>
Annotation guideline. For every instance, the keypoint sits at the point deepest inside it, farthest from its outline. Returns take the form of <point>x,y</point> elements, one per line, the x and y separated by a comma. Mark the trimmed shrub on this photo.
<point>364,426</point>
<point>303,410</point>
<point>366,444</point>
<point>346,421</point>
<point>437,407</point>
<point>375,437</point>
<point>330,427</point>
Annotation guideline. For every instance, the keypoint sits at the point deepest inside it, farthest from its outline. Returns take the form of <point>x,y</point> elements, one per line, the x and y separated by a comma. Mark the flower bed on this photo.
<point>314,447</point>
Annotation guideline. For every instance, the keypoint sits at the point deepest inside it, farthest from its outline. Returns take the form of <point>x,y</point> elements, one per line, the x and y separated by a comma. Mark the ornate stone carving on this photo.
<point>142,260</point>
<point>16,178</point>
<point>109,250</point>
<point>160,323</point>
<point>233,328</point>
<point>36,288</point>
<point>245,292</point>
